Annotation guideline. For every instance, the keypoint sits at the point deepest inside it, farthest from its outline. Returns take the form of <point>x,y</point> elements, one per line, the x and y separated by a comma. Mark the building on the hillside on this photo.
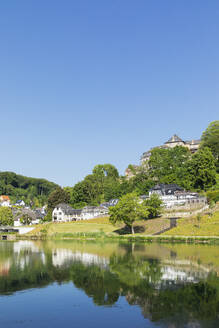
<point>162,189</point>
<point>20,202</point>
<point>173,195</point>
<point>19,213</point>
<point>65,213</point>
<point>90,212</point>
<point>111,202</point>
<point>39,213</point>
<point>174,141</point>
<point>4,200</point>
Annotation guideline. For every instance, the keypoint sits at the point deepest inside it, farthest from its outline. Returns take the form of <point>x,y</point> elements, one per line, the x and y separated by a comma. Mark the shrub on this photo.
<point>213,195</point>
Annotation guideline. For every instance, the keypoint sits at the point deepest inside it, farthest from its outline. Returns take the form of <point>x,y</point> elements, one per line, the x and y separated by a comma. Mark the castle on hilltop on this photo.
<point>174,141</point>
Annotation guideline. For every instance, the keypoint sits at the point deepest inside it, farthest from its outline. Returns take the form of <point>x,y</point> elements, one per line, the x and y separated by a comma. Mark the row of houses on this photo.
<point>65,213</point>
<point>6,202</point>
<point>172,195</point>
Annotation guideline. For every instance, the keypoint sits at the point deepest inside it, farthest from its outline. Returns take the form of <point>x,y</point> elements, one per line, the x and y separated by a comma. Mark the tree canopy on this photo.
<point>201,170</point>
<point>128,210</point>
<point>6,216</point>
<point>154,206</point>
<point>31,190</point>
<point>58,196</point>
<point>210,138</point>
<point>168,165</point>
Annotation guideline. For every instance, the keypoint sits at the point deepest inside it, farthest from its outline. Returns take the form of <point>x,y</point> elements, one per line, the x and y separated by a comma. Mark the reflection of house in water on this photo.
<point>25,245</point>
<point>179,272</point>
<point>26,251</point>
<point>62,256</point>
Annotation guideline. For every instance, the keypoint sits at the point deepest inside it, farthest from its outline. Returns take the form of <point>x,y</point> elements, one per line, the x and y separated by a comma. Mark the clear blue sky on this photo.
<point>100,81</point>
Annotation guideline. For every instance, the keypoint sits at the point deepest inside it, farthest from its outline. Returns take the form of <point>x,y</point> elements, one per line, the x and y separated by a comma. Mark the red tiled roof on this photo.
<point>3,197</point>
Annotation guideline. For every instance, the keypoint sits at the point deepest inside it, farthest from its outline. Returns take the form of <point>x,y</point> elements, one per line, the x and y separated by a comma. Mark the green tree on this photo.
<point>201,169</point>
<point>168,165</point>
<point>141,182</point>
<point>58,196</point>
<point>6,216</point>
<point>21,187</point>
<point>48,216</point>
<point>210,138</point>
<point>26,219</point>
<point>102,185</point>
<point>128,210</point>
<point>154,206</point>
<point>106,170</point>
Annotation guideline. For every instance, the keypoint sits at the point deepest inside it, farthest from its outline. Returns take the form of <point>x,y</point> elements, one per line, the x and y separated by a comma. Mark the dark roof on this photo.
<point>174,138</point>
<point>39,214</point>
<point>193,142</point>
<point>67,209</point>
<point>77,211</point>
<point>166,189</point>
<point>92,209</point>
<point>143,197</point>
<point>18,213</point>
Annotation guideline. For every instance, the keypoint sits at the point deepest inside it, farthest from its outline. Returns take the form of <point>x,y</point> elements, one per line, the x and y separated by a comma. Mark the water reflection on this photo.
<point>175,286</point>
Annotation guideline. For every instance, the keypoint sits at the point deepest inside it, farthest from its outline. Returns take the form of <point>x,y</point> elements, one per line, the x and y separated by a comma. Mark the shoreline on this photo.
<point>147,239</point>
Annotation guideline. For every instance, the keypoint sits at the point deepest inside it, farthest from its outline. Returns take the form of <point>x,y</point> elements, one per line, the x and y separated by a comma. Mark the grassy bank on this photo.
<point>100,227</point>
<point>206,224</point>
<point>205,229</point>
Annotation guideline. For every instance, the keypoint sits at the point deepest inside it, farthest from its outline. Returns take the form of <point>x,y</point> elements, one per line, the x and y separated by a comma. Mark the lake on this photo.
<point>108,284</point>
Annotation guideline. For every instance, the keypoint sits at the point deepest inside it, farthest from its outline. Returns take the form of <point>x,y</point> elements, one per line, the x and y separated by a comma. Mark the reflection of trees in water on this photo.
<point>136,277</point>
<point>100,284</point>
<point>191,303</point>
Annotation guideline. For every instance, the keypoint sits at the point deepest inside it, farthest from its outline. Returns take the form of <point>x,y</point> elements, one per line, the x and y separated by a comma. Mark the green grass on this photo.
<point>207,225</point>
<point>99,227</point>
<point>188,230</point>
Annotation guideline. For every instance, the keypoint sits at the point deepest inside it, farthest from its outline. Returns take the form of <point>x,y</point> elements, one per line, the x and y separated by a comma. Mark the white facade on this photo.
<point>64,213</point>
<point>20,203</point>
<point>5,203</point>
<point>58,215</point>
<point>90,212</point>
<point>17,223</point>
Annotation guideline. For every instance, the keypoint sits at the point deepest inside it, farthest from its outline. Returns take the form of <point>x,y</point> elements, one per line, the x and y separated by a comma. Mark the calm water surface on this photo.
<point>101,284</point>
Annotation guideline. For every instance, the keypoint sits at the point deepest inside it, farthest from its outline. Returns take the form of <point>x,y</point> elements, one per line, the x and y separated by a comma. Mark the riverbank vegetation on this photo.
<point>192,229</point>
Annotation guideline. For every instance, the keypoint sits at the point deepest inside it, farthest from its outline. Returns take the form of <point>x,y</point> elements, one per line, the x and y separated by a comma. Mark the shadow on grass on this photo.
<point>126,230</point>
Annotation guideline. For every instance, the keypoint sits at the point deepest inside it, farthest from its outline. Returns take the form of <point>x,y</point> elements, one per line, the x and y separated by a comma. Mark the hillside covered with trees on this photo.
<point>31,190</point>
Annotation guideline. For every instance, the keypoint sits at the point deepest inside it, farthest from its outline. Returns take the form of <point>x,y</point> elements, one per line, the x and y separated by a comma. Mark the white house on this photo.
<point>65,213</point>
<point>90,212</point>
<point>173,195</point>
<point>19,213</point>
<point>4,201</point>
<point>20,203</point>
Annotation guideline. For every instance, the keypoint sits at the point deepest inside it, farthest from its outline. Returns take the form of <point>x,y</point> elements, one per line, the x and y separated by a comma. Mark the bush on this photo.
<point>212,195</point>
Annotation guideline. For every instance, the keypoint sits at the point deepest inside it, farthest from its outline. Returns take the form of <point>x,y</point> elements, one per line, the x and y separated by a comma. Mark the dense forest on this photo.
<point>33,191</point>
